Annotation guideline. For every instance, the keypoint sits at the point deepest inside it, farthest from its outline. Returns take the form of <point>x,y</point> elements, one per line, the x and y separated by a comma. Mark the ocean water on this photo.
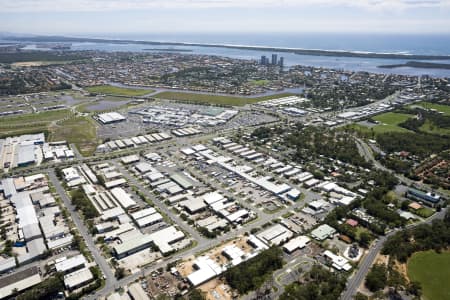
<point>437,44</point>
<point>379,43</point>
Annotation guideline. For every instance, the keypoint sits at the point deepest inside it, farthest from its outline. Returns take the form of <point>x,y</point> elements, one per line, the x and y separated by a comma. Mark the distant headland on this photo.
<point>418,64</point>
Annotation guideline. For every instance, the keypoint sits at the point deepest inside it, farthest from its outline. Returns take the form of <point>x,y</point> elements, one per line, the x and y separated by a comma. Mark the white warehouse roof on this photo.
<point>70,263</point>
<point>296,243</point>
<point>122,197</point>
<point>111,117</point>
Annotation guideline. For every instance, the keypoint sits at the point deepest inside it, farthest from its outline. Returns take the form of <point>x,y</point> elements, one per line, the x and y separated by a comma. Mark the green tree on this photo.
<point>360,296</point>
<point>414,288</point>
<point>196,294</point>
<point>364,239</point>
<point>47,289</point>
<point>252,273</point>
<point>376,279</point>
<point>318,284</point>
<point>120,273</point>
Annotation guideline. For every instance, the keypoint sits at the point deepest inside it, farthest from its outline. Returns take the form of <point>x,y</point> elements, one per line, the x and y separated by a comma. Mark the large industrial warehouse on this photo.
<point>110,117</point>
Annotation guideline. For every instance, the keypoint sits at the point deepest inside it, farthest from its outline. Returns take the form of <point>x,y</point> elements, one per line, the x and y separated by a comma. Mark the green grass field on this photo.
<point>30,123</point>
<point>216,99</point>
<point>439,107</point>
<point>118,91</point>
<point>259,82</point>
<point>80,131</point>
<point>34,118</point>
<point>432,270</point>
<point>392,118</point>
<point>424,212</point>
<point>388,123</point>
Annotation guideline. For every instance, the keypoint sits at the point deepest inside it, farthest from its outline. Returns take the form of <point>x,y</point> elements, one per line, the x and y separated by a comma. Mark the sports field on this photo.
<point>118,91</point>
<point>216,99</point>
<point>432,270</point>
<point>388,122</point>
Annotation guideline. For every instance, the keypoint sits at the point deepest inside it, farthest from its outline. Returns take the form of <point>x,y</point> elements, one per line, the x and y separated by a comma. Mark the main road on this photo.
<point>110,280</point>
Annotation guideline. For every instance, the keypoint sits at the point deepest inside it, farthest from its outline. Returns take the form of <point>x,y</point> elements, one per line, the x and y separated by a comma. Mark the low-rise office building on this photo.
<point>429,199</point>
<point>323,232</point>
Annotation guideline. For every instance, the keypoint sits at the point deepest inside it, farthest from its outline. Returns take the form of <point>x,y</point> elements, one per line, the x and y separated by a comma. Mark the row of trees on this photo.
<point>375,205</point>
<point>398,165</point>
<point>420,144</point>
<point>381,276</point>
<point>47,289</point>
<point>435,236</point>
<point>436,119</point>
<point>195,294</point>
<point>82,203</point>
<point>262,133</point>
<point>376,279</point>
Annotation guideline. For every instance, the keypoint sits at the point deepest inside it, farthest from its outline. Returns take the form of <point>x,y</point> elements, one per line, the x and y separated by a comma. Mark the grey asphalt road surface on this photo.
<point>99,259</point>
<point>356,280</point>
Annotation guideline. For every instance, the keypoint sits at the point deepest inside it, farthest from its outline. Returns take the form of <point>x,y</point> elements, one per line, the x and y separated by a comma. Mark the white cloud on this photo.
<point>118,5</point>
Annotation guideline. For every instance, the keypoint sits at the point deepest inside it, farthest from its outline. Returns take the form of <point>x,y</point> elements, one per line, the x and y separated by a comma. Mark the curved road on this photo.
<point>356,280</point>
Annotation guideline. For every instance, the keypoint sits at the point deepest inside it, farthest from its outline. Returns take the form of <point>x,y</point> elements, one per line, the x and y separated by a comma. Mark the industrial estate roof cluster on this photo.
<point>180,117</point>
<point>119,211</point>
<point>135,141</point>
<point>28,149</point>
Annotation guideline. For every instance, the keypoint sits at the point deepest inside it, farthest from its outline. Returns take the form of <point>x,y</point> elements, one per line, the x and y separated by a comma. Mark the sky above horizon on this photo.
<point>97,17</point>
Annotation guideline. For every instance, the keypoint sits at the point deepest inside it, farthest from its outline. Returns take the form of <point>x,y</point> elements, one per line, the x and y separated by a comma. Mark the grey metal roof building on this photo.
<point>8,187</point>
<point>35,249</point>
<point>7,264</point>
<point>182,180</point>
<point>26,155</point>
<point>31,231</point>
<point>19,281</point>
<point>133,245</point>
